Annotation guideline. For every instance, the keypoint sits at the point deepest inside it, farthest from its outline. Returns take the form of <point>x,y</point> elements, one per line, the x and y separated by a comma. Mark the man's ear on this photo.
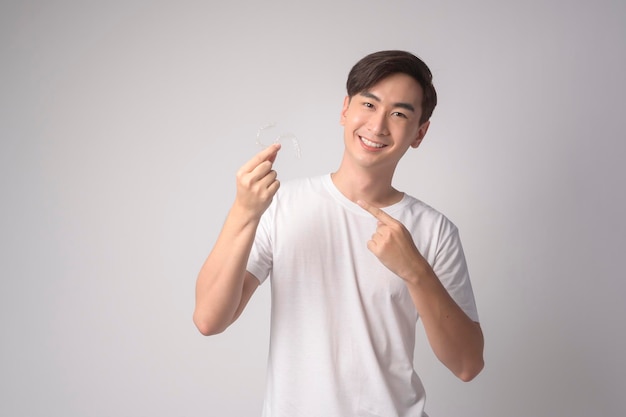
<point>421,132</point>
<point>346,103</point>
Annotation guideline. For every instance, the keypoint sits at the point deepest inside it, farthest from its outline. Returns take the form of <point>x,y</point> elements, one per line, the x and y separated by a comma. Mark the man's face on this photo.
<point>381,123</point>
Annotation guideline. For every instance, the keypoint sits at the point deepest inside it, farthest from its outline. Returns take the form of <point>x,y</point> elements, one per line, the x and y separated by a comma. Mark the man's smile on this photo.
<point>371,144</point>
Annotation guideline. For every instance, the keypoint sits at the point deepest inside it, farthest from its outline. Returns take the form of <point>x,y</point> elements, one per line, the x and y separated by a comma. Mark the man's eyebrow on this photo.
<point>407,106</point>
<point>369,95</point>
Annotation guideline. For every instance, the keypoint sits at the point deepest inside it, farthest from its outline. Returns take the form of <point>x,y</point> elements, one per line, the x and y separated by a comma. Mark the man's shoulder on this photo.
<point>413,203</point>
<point>418,209</point>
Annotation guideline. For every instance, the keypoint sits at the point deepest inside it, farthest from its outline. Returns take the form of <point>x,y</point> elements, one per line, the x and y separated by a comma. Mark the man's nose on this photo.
<point>377,124</point>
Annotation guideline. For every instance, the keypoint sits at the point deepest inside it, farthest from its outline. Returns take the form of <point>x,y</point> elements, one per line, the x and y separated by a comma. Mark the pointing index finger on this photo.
<point>375,211</point>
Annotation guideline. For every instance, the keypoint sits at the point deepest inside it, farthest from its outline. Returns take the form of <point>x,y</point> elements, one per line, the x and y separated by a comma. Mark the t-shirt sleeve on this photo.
<point>260,259</point>
<point>450,267</point>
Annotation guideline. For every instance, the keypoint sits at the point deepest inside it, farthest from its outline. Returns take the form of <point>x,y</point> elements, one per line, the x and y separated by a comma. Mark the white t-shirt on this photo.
<point>343,325</point>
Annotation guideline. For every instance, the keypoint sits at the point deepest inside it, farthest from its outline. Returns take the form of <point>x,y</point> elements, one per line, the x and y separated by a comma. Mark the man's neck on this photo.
<point>372,188</point>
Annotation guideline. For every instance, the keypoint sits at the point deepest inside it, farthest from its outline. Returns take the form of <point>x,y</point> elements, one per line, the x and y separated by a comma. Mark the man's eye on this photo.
<point>398,114</point>
<point>368,105</point>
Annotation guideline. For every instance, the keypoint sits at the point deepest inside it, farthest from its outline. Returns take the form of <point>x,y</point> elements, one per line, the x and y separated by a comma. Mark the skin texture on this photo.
<point>380,125</point>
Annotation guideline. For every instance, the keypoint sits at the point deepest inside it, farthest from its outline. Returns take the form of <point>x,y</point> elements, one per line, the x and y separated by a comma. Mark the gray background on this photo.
<point>122,126</point>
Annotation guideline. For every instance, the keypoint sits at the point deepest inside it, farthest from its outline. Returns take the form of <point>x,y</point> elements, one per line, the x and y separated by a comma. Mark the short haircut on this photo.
<point>379,65</point>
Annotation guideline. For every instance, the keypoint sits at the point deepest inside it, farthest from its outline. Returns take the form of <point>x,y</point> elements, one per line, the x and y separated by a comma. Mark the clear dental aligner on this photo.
<point>279,138</point>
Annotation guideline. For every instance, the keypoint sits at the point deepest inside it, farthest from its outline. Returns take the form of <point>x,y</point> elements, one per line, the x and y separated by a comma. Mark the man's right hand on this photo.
<point>257,183</point>
<point>224,287</point>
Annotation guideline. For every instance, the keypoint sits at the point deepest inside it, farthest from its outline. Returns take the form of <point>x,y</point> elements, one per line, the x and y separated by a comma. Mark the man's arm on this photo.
<point>455,339</point>
<point>224,287</point>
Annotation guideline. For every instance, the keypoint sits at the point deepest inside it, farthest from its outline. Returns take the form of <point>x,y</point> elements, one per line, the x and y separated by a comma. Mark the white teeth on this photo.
<point>371,144</point>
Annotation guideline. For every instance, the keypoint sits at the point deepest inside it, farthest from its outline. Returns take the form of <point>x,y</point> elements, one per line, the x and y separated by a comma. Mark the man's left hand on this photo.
<point>393,245</point>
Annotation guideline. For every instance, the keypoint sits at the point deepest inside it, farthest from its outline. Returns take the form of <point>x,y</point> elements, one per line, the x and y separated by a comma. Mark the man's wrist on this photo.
<point>419,273</point>
<point>244,215</point>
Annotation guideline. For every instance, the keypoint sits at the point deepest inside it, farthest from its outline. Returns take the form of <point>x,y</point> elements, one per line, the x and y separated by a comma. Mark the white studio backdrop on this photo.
<point>123,123</point>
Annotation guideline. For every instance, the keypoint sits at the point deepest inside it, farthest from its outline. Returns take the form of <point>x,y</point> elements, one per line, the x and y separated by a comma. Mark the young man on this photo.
<point>353,262</point>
